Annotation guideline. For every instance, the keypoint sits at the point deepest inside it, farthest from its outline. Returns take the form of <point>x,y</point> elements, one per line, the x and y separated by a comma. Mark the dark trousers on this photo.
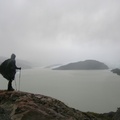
<point>10,88</point>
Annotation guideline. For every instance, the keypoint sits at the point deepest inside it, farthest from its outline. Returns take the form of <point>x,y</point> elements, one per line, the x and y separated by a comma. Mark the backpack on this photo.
<point>7,69</point>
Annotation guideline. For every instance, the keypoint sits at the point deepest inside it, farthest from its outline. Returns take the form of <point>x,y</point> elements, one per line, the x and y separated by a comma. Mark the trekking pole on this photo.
<point>19,79</point>
<point>15,85</point>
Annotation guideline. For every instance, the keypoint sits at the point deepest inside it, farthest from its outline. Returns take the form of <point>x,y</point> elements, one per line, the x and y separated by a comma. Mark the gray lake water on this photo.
<point>95,91</point>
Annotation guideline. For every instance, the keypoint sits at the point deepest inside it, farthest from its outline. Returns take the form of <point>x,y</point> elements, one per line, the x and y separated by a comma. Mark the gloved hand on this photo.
<point>20,68</point>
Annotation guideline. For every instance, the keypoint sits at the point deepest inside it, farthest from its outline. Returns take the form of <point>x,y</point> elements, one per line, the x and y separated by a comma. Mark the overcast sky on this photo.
<point>58,31</point>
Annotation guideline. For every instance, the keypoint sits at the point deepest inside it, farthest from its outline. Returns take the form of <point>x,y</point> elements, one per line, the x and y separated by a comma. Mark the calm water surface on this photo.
<point>96,91</point>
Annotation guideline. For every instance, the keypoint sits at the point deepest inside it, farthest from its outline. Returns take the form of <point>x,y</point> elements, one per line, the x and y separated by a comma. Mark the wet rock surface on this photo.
<point>26,106</point>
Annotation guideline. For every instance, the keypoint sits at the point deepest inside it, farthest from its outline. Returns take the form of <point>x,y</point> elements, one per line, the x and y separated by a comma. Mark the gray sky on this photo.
<point>59,31</point>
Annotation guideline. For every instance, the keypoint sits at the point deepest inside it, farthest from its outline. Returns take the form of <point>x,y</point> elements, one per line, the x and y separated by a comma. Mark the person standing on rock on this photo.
<point>8,70</point>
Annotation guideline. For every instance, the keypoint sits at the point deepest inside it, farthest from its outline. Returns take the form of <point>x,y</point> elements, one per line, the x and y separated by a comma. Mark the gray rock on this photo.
<point>4,114</point>
<point>117,115</point>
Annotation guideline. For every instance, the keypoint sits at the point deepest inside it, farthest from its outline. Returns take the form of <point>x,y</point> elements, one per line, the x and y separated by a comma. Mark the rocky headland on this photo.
<point>16,105</point>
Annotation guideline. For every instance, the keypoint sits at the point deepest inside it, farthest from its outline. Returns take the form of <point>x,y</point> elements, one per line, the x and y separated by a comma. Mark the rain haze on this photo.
<point>48,32</point>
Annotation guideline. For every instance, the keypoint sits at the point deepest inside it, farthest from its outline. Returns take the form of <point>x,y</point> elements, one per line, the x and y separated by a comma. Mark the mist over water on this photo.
<point>95,91</point>
<point>46,32</point>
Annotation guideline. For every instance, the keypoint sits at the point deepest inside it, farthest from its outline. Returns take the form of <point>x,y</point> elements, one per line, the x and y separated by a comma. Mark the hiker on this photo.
<point>8,70</point>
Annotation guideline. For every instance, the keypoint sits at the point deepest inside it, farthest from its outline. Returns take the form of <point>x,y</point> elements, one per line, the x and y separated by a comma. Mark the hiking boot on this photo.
<point>10,89</point>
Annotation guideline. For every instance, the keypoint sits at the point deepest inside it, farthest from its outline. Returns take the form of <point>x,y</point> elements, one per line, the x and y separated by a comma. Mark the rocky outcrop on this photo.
<point>26,106</point>
<point>117,71</point>
<point>117,115</point>
<point>84,65</point>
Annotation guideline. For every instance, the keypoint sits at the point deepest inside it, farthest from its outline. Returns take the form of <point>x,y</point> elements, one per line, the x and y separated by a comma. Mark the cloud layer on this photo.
<point>58,31</point>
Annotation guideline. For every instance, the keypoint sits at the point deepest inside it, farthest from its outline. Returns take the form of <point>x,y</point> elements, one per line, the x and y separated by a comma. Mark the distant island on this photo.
<point>53,66</point>
<point>116,70</point>
<point>84,65</point>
